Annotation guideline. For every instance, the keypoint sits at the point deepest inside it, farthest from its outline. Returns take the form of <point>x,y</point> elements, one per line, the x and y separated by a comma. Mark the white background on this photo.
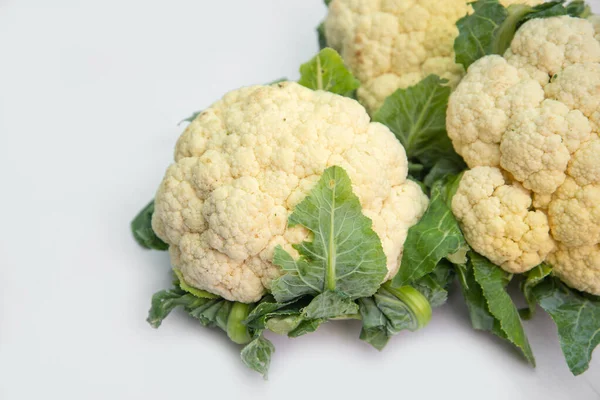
<point>90,96</point>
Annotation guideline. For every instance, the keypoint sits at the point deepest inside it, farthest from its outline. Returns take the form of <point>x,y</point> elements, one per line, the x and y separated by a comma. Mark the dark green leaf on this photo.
<point>390,311</point>
<point>327,2</point>
<point>417,116</point>
<point>493,280</point>
<point>164,302</point>
<point>535,276</point>
<point>330,304</point>
<point>374,324</point>
<point>479,313</point>
<point>141,226</point>
<point>306,326</point>
<point>434,286</point>
<point>443,168</point>
<point>321,36</point>
<point>435,236</point>
<point>257,355</point>
<point>577,317</point>
<point>345,255</point>
<point>326,71</point>
<point>491,27</point>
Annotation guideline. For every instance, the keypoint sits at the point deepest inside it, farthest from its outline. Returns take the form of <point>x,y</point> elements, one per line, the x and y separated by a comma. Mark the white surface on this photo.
<point>90,96</point>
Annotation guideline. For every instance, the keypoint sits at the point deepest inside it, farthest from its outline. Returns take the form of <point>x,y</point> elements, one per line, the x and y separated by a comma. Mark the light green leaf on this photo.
<point>165,301</point>
<point>256,355</point>
<point>492,280</point>
<point>435,236</point>
<point>345,255</point>
<point>326,71</point>
<point>577,317</point>
<point>190,289</point>
<point>534,277</point>
<point>417,116</point>
<point>141,227</point>
<point>330,304</point>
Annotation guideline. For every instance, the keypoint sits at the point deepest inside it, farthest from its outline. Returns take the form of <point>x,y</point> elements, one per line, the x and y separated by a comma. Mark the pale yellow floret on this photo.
<point>535,114</point>
<point>578,267</point>
<point>245,162</point>
<point>392,44</point>
<point>497,223</point>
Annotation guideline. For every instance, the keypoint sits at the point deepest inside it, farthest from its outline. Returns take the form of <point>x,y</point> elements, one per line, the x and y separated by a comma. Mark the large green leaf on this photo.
<point>491,27</point>
<point>345,254</point>
<point>493,281</point>
<point>417,116</point>
<point>141,227</point>
<point>326,71</point>
<point>577,317</point>
<point>437,235</point>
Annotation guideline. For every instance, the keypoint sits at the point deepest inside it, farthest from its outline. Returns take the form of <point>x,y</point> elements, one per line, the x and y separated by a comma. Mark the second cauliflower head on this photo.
<point>394,44</point>
<point>532,118</point>
<point>243,164</point>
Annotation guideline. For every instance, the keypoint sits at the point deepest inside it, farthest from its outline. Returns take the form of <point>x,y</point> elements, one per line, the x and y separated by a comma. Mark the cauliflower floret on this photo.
<point>595,20</point>
<point>497,223</point>
<point>578,267</point>
<point>243,165</point>
<point>393,44</point>
<point>535,114</point>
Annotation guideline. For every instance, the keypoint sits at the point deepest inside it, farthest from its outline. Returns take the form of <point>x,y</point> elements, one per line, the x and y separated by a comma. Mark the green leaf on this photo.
<point>330,304</point>
<point>417,116</point>
<point>534,277</point>
<point>434,286</point>
<point>306,326</point>
<point>435,236</point>
<point>256,355</point>
<point>577,317</point>
<point>190,289</point>
<point>326,71</point>
<point>164,302</point>
<point>493,280</point>
<point>268,308</point>
<point>443,168</point>
<point>327,2</point>
<point>374,324</point>
<point>190,118</point>
<point>491,27</point>
<point>479,313</point>
<point>321,36</point>
<point>390,311</point>
<point>141,227</point>
<point>345,255</point>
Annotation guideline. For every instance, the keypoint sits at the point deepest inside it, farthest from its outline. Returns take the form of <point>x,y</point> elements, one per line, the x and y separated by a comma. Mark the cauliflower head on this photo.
<point>243,164</point>
<point>533,115</point>
<point>394,44</point>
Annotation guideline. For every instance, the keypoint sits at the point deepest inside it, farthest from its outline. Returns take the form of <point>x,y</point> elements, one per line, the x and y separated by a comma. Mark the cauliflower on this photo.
<point>243,164</point>
<point>394,44</point>
<point>529,122</point>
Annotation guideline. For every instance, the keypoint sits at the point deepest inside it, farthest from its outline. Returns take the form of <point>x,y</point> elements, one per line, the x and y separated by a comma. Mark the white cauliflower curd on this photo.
<point>531,120</point>
<point>394,44</point>
<point>243,164</point>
